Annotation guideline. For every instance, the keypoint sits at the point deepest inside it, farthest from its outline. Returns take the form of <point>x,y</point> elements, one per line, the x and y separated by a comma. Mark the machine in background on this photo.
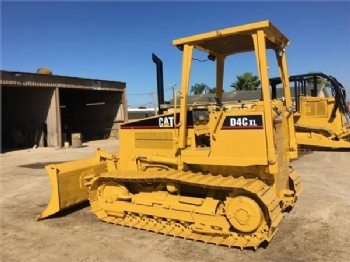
<point>321,120</point>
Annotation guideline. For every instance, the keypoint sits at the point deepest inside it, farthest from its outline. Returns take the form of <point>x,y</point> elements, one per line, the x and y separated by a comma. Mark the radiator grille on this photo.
<point>157,140</point>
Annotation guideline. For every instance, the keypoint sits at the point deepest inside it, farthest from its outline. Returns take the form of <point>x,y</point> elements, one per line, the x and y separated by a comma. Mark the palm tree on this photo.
<point>246,81</point>
<point>198,89</point>
<point>213,90</point>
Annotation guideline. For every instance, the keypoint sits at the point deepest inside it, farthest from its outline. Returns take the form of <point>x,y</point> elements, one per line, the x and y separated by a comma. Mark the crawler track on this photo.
<point>176,228</point>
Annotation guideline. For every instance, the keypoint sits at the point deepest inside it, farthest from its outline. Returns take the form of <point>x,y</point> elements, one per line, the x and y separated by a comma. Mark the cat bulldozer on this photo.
<point>321,117</point>
<point>208,172</point>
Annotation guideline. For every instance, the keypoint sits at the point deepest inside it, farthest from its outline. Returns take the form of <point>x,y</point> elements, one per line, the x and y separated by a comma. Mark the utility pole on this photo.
<point>173,88</point>
<point>155,104</point>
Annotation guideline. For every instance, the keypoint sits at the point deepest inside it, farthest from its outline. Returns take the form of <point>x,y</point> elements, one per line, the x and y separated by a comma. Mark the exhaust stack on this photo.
<point>160,82</point>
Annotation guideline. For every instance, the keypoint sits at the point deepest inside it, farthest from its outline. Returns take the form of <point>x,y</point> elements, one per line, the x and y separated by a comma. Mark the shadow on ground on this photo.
<point>40,165</point>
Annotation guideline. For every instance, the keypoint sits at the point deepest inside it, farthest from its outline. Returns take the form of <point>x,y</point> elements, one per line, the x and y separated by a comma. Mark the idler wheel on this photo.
<point>244,214</point>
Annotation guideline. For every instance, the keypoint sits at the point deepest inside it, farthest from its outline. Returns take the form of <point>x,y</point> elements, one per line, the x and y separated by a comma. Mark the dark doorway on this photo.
<point>89,112</point>
<point>24,117</point>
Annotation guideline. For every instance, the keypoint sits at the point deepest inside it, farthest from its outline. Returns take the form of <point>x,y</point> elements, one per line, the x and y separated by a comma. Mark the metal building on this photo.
<point>41,109</point>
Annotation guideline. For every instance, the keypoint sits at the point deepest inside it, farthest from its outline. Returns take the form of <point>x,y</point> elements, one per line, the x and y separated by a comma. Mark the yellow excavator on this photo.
<point>210,172</point>
<point>321,117</point>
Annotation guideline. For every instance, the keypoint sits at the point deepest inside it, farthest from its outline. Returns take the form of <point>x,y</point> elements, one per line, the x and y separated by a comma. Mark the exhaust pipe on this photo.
<point>160,82</point>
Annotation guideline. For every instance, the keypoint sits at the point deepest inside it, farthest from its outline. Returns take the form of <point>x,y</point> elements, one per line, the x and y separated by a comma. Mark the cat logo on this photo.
<point>167,121</point>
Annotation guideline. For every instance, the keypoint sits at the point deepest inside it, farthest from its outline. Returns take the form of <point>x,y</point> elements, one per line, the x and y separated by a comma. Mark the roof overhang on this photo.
<point>24,79</point>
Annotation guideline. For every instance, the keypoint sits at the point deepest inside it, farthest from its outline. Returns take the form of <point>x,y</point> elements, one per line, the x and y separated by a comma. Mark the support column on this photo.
<point>58,117</point>
<point>186,70</point>
<point>282,67</point>
<point>219,76</point>
<point>260,51</point>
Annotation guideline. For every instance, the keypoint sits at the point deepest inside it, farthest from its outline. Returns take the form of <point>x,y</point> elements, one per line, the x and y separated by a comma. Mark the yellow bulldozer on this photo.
<point>207,172</point>
<point>322,119</point>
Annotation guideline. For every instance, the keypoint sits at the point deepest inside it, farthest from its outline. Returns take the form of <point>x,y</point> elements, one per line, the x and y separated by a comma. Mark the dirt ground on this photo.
<point>317,229</point>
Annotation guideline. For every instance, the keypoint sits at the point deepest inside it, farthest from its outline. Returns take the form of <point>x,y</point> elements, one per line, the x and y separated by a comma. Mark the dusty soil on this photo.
<point>317,229</point>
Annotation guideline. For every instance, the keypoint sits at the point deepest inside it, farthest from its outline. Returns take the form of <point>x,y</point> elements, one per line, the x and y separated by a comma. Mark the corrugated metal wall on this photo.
<point>29,108</point>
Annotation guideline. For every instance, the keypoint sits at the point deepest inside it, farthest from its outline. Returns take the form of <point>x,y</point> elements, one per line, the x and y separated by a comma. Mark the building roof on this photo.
<point>250,95</point>
<point>26,79</point>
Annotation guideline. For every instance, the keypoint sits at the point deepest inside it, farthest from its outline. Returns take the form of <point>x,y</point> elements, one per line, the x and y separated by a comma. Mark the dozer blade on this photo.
<point>70,181</point>
<point>323,143</point>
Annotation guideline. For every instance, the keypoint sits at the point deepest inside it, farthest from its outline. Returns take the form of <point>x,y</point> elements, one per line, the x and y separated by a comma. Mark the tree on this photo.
<point>213,90</point>
<point>320,81</point>
<point>246,81</point>
<point>198,89</point>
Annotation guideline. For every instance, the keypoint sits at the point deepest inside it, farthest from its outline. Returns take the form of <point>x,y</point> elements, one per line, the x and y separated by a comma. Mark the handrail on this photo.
<point>175,108</point>
<point>217,124</point>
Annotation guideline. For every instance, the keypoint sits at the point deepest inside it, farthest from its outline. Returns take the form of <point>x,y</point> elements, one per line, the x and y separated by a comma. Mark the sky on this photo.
<point>115,40</point>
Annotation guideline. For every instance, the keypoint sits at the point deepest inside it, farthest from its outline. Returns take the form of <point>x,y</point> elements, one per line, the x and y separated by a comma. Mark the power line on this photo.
<point>140,94</point>
<point>199,60</point>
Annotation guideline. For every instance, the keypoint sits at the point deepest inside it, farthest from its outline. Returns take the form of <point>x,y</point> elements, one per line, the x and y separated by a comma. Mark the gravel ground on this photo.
<point>317,229</point>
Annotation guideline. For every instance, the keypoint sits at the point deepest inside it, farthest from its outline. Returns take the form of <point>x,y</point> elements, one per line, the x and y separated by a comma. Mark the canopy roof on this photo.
<point>236,39</point>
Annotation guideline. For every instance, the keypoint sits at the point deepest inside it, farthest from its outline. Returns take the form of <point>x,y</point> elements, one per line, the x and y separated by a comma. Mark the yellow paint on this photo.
<point>315,125</point>
<point>70,181</point>
<point>219,174</point>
